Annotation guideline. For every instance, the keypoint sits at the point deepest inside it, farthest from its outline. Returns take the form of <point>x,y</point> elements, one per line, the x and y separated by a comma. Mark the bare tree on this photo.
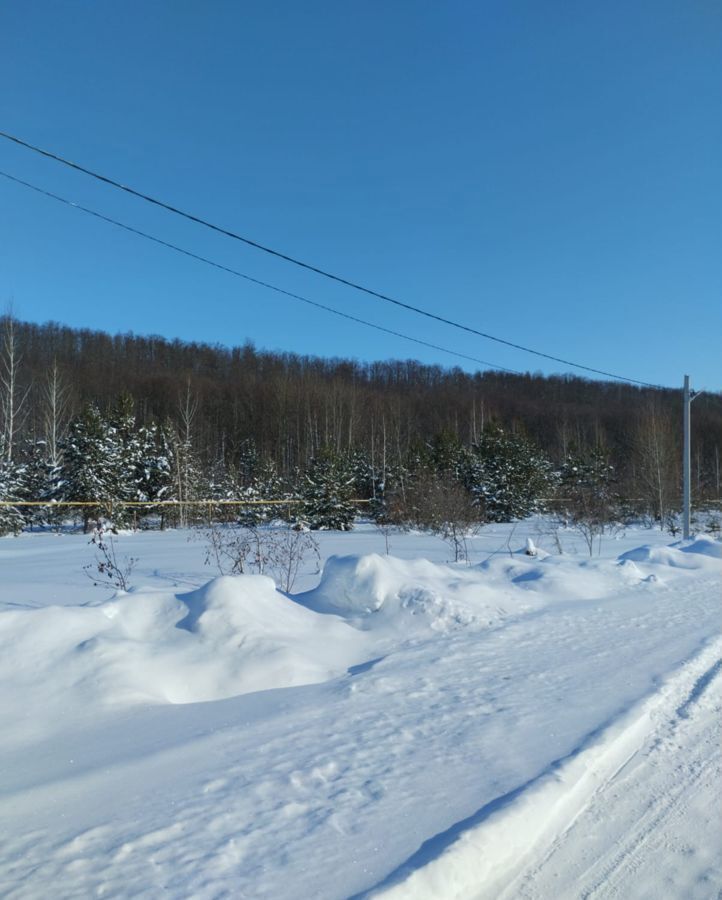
<point>56,401</point>
<point>187,410</point>
<point>12,395</point>
<point>657,462</point>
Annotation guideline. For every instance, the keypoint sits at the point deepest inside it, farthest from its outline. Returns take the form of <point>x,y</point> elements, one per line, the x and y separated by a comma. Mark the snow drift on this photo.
<point>700,553</point>
<point>375,592</point>
<point>232,636</point>
<point>384,593</point>
<point>238,635</point>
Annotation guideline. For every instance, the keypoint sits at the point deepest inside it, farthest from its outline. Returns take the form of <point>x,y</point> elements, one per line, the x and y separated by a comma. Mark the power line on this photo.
<point>249,278</point>
<point>304,265</point>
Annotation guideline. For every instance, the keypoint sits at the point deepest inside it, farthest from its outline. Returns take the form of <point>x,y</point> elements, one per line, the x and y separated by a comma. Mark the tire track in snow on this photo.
<point>487,859</point>
<point>674,776</point>
<point>615,875</point>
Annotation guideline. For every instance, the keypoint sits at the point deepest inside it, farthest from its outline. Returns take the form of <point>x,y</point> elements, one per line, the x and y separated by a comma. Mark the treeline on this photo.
<point>221,412</point>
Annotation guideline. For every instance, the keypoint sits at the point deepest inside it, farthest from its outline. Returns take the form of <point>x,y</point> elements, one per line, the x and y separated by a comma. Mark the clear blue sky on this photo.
<point>549,172</point>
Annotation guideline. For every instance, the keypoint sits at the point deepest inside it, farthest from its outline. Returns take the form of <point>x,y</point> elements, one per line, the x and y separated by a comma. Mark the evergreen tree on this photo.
<point>590,471</point>
<point>445,454</point>
<point>588,478</point>
<point>588,485</point>
<point>328,491</point>
<point>11,517</point>
<point>38,481</point>
<point>154,475</point>
<point>392,493</point>
<point>91,464</point>
<point>418,459</point>
<point>507,476</point>
<point>220,485</point>
<point>265,484</point>
<point>366,481</point>
<point>248,461</point>
<point>127,441</point>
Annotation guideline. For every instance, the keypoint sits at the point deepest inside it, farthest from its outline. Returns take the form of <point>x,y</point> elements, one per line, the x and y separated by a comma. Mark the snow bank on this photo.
<point>383,592</point>
<point>699,554</point>
<point>232,636</point>
<point>237,635</point>
<point>374,592</point>
<point>706,546</point>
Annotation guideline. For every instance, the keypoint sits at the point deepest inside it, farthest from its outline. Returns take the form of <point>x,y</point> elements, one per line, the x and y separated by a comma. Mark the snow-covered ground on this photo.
<point>523,727</point>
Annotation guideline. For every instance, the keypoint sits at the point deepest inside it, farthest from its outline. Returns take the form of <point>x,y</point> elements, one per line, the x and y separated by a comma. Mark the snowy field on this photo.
<point>522,727</point>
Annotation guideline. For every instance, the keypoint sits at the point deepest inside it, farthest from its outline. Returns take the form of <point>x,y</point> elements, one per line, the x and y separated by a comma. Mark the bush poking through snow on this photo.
<point>107,568</point>
<point>233,550</point>
<point>242,549</point>
<point>289,548</point>
<point>440,504</point>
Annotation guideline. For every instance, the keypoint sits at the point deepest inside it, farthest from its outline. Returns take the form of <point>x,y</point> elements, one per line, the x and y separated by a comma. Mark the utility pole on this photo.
<point>686,459</point>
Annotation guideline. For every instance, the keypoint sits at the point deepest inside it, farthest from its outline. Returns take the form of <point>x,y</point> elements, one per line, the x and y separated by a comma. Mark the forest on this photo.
<point>88,416</point>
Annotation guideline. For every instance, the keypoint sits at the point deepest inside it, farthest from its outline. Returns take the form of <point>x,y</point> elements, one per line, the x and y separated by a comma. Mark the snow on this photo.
<point>231,636</point>
<point>663,799</point>
<point>401,726</point>
<point>678,555</point>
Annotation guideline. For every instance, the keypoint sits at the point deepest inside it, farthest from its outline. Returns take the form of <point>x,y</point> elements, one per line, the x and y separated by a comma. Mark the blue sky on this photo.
<point>547,172</point>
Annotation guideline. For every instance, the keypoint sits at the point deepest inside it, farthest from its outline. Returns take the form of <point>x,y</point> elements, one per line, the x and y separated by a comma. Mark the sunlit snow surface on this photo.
<point>399,726</point>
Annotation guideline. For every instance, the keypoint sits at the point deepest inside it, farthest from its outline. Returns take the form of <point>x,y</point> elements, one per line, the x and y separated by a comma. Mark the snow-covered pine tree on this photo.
<point>265,484</point>
<point>390,504</point>
<point>90,465</point>
<point>445,454</point>
<point>38,480</point>
<point>589,471</point>
<point>588,484</point>
<point>221,485</point>
<point>11,517</point>
<point>507,475</point>
<point>365,479</point>
<point>328,492</point>
<point>247,462</point>
<point>128,443</point>
<point>418,459</point>
<point>154,478</point>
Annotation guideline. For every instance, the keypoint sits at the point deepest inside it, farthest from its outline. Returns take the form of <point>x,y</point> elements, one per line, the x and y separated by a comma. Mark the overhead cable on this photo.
<point>308,266</point>
<point>249,278</point>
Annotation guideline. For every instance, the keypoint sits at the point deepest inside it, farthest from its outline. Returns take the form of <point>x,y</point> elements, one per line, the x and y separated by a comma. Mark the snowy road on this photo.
<point>654,828</point>
<point>632,813</point>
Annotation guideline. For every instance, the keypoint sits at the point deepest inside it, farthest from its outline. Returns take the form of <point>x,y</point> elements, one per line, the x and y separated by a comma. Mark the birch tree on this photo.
<point>56,396</point>
<point>12,395</point>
